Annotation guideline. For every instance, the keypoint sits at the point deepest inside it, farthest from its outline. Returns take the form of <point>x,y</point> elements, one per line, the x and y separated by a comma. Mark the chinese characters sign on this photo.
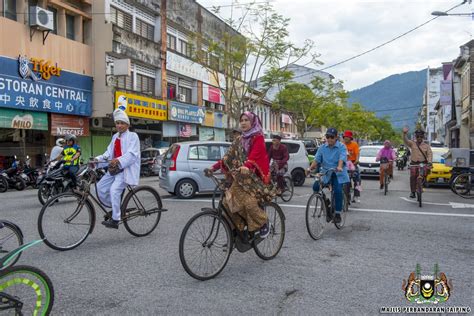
<point>186,113</point>
<point>23,120</point>
<point>64,92</point>
<point>142,107</point>
<point>69,124</point>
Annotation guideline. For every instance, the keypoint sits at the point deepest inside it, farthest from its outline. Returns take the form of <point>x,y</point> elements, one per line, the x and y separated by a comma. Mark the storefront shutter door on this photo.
<point>99,144</point>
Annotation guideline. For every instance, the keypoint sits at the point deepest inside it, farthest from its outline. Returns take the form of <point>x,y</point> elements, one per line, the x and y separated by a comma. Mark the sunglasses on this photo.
<point>330,136</point>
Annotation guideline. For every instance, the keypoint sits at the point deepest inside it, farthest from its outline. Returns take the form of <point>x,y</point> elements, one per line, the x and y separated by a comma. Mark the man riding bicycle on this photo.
<point>420,153</point>
<point>332,155</point>
<point>70,155</point>
<point>353,156</point>
<point>386,156</point>
<point>124,167</point>
<point>279,153</point>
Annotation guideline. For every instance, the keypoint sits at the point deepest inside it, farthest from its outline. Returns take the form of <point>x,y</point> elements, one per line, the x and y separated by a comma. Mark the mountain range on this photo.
<point>399,97</point>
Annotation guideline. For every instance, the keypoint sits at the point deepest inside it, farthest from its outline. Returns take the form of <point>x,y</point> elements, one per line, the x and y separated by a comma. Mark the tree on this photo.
<point>256,45</point>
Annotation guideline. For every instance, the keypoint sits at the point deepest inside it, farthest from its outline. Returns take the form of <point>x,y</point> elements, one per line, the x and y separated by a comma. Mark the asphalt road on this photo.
<point>353,271</point>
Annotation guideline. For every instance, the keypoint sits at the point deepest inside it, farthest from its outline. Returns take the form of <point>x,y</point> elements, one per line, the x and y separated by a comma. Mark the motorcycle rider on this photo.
<point>57,150</point>
<point>70,155</point>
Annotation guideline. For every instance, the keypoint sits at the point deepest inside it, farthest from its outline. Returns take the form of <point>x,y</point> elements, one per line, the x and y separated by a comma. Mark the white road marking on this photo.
<point>429,203</point>
<point>461,205</point>
<point>355,209</point>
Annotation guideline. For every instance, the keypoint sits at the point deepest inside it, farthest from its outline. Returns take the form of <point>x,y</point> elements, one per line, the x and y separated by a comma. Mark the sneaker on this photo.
<point>412,195</point>
<point>381,186</point>
<point>264,231</point>
<point>328,217</point>
<point>111,223</point>
<point>337,219</point>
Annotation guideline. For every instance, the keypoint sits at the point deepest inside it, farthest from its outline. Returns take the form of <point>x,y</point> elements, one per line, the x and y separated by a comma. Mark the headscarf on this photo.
<point>255,129</point>
<point>387,144</point>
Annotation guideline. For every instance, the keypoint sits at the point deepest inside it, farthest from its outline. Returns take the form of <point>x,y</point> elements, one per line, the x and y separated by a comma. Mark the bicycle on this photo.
<point>66,220</point>
<point>11,237</point>
<point>210,236</point>
<point>462,184</point>
<point>350,188</point>
<point>420,179</point>
<point>24,290</point>
<point>385,165</point>
<point>287,192</point>
<point>320,210</point>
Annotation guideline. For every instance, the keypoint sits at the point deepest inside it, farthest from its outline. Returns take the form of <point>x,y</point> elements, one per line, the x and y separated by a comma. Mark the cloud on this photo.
<point>344,28</point>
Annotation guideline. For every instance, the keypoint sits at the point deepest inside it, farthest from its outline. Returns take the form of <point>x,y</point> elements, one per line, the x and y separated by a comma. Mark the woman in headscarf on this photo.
<point>386,155</point>
<point>247,162</point>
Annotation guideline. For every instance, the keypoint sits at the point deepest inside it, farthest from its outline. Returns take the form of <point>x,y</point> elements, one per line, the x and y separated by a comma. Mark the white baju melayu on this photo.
<point>55,152</point>
<point>110,187</point>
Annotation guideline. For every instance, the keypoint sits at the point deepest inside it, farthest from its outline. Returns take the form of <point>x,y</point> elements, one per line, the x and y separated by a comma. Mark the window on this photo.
<point>125,82</point>
<point>204,57</point>
<point>9,9</point>
<point>145,84</point>
<point>187,93</point>
<point>205,152</point>
<point>70,27</point>
<point>55,19</point>
<point>171,91</point>
<point>121,19</point>
<point>171,41</point>
<point>214,62</point>
<point>144,29</point>
<point>185,49</point>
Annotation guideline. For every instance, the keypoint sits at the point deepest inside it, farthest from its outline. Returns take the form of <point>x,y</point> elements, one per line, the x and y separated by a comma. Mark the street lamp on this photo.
<point>441,13</point>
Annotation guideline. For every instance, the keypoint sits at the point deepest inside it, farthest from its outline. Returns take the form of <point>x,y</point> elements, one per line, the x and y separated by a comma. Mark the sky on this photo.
<point>344,28</point>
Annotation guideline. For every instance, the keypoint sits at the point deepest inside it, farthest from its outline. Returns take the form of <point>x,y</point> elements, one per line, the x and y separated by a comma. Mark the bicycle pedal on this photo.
<point>163,210</point>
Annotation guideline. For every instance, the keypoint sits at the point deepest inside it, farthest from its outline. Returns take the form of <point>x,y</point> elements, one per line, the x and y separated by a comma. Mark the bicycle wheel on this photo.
<point>216,197</point>
<point>462,185</point>
<point>345,208</point>
<point>11,238</point>
<point>46,191</point>
<point>385,181</point>
<point>141,211</point>
<point>29,287</point>
<point>315,216</point>
<point>287,193</point>
<point>3,185</point>
<point>205,245</point>
<point>269,247</point>
<point>64,223</point>
<point>419,190</point>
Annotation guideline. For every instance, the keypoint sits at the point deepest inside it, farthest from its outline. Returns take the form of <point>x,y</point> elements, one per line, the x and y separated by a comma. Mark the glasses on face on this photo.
<point>330,136</point>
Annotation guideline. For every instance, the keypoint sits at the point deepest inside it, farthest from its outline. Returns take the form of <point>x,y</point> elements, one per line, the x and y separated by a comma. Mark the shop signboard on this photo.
<point>206,133</point>
<point>23,119</point>
<point>141,107</point>
<point>209,119</point>
<point>187,113</point>
<point>69,124</point>
<point>212,94</point>
<point>41,86</point>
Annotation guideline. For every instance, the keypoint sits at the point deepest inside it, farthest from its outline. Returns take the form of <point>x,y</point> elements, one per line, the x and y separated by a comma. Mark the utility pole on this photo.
<point>164,41</point>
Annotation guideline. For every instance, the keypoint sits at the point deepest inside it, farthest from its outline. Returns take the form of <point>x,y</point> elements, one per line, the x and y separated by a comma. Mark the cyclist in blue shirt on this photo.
<point>332,155</point>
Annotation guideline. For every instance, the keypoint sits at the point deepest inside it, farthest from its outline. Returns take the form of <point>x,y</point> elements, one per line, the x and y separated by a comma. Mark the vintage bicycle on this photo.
<point>210,236</point>
<point>320,209</point>
<point>67,219</point>
<point>420,179</point>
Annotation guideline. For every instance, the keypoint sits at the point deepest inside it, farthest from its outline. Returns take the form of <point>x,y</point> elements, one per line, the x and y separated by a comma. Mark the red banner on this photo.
<point>69,124</point>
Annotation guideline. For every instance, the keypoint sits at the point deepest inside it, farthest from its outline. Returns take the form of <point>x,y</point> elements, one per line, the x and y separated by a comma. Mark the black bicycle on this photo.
<point>420,179</point>
<point>210,236</point>
<point>24,290</point>
<point>11,237</point>
<point>66,220</point>
<point>462,185</point>
<point>320,210</point>
<point>385,165</point>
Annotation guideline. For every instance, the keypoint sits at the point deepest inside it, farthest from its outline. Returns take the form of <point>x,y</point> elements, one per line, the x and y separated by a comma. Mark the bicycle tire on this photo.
<point>10,232</point>
<point>274,231</point>
<point>216,196</point>
<point>156,203</point>
<point>289,187</point>
<point>419,191</point>
<point>227,247</point>
<point>28,277</point>
<point>463,190</point>
<point>46,233</point>
<point>49,189</point>
<point>345,208</point>
<point>3,184</point>
<point>320,215</point>
<point>385,180</point>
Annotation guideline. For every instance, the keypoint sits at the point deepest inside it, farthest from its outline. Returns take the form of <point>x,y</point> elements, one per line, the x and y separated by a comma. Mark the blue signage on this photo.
<point>23,89</point>
<point>186,113</point>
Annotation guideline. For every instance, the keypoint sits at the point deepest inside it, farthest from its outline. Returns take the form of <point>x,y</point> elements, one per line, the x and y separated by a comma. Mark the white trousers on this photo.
<point>110,189</point>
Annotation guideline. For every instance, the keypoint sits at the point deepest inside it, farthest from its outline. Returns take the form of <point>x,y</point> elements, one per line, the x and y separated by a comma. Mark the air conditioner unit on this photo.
<point>181,97</point>
<point>41,18</point>
<point>97,122</point>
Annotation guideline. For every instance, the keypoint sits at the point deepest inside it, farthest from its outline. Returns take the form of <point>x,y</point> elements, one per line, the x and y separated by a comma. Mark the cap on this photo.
<point>348,133</point>
<point>276,136</point>
<point>331,131</point>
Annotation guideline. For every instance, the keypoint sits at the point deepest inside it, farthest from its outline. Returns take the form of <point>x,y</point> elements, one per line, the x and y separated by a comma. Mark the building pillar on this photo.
<point>78,31</point>
<point>61,22</point>
<point>164,90</point>
<point>21,11</point>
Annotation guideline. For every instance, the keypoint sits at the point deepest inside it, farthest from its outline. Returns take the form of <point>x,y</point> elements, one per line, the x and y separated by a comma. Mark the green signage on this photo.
<point>19,119</point>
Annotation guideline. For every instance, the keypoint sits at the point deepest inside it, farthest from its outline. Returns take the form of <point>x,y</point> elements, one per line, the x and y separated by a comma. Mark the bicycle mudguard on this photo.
<point>5,260</point>
<point>13,224</point>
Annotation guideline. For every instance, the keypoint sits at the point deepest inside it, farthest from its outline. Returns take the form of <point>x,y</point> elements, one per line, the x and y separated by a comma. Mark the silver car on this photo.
<point>182,169</point>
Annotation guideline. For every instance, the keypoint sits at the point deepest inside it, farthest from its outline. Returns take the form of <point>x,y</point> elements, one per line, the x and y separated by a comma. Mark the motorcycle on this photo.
<point>56,180</point>
<point>13,178</point>
<point>401,161</point>
<point>29,174</point>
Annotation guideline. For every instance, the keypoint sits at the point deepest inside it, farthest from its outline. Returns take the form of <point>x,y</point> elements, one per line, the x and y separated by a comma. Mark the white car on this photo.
<point>298,162</point>
<point>367,163</point>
